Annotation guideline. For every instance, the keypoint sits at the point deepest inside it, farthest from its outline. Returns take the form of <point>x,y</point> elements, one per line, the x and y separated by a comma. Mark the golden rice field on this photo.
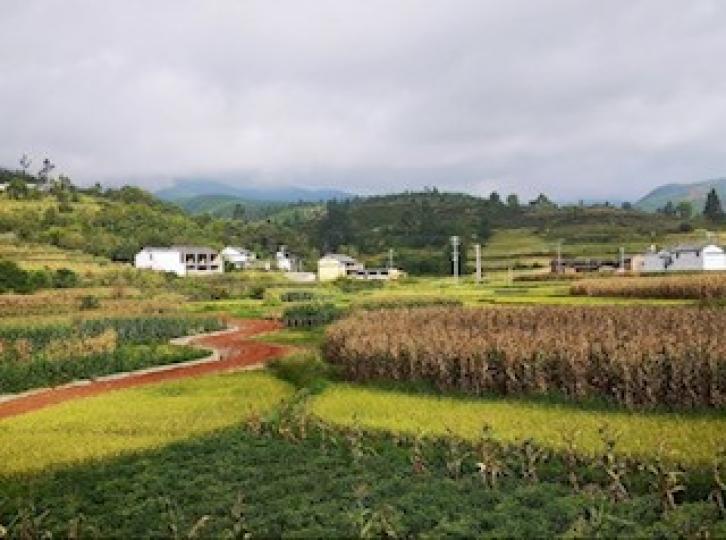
<point>635,356</point>
<point>693,439</point>
<point>133,420</point>
<point>692,286</point>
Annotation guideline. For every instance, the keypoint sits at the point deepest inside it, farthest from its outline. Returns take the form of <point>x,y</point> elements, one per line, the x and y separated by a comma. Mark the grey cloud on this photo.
<point>577,99</point>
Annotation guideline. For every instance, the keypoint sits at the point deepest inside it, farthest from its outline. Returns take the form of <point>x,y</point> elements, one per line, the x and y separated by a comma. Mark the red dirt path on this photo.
<point>236,351</point>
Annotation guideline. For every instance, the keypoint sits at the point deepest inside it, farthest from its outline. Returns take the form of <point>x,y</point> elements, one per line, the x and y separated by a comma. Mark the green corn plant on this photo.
<point>456,453</point>
<point>665,481</point>
<point>593,524</point>
<point>28,524</point>
<point>418,459</point>
<point>572,458</point>
<point>326,435</point>
<point>718,493</point>
<point>530,456</point>
<point>174,521</point>
<point>380,522</point>
<point>358,449</point>
<point>240,529</point>
<point>490,466</point>
<point>615,468</point>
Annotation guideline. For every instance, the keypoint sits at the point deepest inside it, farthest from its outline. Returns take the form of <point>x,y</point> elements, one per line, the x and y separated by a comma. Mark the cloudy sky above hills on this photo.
<point>598,99</point>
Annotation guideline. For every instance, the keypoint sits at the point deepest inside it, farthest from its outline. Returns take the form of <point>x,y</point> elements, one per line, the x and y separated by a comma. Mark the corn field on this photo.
<point>699,287</point>
<point>634,356</point>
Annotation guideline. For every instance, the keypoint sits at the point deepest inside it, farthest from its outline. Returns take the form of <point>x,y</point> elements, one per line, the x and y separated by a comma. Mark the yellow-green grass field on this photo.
<point>693,439</point>
<point>468,292</point>
<point>133,420</point>
<point>38,257</point>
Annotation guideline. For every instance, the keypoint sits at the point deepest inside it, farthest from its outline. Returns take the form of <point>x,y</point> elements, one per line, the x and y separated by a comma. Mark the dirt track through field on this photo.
<point>235,349</point>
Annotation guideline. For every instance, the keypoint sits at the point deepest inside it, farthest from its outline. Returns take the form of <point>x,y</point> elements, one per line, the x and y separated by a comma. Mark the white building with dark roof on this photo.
<point>181,260</point>
<point>239,257</point>
<point>685,258</point>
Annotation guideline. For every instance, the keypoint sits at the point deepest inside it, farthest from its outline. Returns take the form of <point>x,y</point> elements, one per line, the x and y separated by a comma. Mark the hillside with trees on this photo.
<point>116,223</point>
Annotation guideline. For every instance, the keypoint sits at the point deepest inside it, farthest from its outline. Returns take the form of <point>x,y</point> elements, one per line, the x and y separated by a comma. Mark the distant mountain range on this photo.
<point>694,193</point>
<point>191,188</point>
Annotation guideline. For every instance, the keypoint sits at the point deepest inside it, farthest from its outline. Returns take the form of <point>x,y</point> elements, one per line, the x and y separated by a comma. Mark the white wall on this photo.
<point>652,262</point>
<point>161,261</point>
<point>714,258</point>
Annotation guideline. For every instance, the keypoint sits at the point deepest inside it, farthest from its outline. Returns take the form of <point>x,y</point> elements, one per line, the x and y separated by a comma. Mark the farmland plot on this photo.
<point>637,357</point>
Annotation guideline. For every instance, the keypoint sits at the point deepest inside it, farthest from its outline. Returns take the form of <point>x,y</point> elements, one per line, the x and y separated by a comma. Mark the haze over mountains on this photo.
<point>220,198</point>
<point>190,188</point>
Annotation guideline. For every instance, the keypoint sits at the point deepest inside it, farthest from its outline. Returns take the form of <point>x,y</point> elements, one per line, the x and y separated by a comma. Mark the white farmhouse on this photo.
<point>709,257</point>
<point>181,260</point>
<point>239,257</point>
<point>335,265</point>
<point>286,261</point>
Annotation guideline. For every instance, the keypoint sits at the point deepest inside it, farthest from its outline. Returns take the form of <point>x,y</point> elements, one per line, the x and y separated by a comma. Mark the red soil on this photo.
<point>236,351</point>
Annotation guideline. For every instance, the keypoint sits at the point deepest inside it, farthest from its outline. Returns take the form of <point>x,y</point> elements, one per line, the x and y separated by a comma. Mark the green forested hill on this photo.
<point>230,206</point>
<point>675,193</point>
<point>116,223</point>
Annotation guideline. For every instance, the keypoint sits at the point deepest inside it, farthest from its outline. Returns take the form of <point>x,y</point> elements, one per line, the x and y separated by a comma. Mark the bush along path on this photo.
<point>231,350</point>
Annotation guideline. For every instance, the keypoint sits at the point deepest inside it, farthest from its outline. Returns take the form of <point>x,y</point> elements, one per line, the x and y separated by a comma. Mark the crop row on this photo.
<point>698,287</point>
<point>127,329</point>
<point>46,371</point>
<point>634,356</point>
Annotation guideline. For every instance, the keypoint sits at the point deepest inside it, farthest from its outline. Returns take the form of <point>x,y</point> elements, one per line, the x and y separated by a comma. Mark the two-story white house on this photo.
<point>239,257</point>
<point>709,257</point>
<point>335,265</point>
<point>286,261</point>
<point>181,260</point>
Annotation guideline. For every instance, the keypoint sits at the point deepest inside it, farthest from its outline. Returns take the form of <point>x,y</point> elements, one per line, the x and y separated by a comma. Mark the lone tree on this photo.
<point>713,210</point>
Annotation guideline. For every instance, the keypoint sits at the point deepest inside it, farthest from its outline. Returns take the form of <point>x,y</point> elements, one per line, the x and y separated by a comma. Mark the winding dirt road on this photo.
<point>233,350</point>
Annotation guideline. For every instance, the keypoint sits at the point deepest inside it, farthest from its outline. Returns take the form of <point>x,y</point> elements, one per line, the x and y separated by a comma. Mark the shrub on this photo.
<point>304,370</point>
<point>357,285</point>
<point>297,296</point>
<point>65,279</point>
<point>89,302</point>
<point>14,279</point>
<point>313,314</point>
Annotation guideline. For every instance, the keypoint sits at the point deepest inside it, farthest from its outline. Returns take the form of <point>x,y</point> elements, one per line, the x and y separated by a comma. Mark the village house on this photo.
<point>576,266</point>
<point>238,257</point>
<point>335,266</point>
<point>707,257</point>
<point>181,260</point>
<point>286,261</point>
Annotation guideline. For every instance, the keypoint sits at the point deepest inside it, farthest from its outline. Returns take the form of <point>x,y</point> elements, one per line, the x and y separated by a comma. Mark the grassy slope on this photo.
<point>132,420</point>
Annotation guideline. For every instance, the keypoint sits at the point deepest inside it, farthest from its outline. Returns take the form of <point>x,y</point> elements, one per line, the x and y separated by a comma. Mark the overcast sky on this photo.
<point>576,98</point>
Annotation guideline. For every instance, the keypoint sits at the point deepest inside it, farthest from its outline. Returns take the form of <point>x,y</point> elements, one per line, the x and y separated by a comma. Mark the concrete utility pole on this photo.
<point>559,256</point>
<point>390,258</point>
<point>622,259</point>
<point>477,250</point>
<point>455,242</point>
